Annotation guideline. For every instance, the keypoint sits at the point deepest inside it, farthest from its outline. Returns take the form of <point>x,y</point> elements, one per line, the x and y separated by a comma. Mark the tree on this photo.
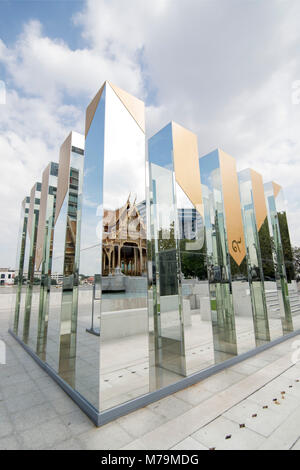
<point>296,258</point>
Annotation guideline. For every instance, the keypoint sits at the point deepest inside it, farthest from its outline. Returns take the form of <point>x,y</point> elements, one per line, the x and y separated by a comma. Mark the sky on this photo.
<point>228,70</point>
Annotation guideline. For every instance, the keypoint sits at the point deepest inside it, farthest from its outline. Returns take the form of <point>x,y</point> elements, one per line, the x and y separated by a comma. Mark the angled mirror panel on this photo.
<point>62,323</point>
<point>33,277</point>
<point>44,252</point>
<point>254,260</point>
<point>241,292</point>
<point>198,337</point>
<point>89,297</point>
<point>220,287</point>
<point>167,352</point>
<point>20,263</point>
<point>281,279</point>
<point>124,318</point>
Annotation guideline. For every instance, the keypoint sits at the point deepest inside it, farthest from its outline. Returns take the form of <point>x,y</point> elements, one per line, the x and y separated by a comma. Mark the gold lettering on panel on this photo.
<point>232,207</point>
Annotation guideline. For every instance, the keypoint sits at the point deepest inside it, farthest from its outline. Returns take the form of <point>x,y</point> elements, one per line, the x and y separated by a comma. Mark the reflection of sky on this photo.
<point>208,164</point>
<point>160,148</point>
<point>124,164</point>
<point>93,190</point>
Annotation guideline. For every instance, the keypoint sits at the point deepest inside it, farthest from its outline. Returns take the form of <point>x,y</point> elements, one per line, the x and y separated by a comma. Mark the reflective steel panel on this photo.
<point>44,252</point>
<point>272,191</point>
<point>20,262</point>
<point>180,327</point>
<point>113,288</point>
<point>33,278</point>
<point>232,314</point>
<point>259,254</point>
<point>62,323</point>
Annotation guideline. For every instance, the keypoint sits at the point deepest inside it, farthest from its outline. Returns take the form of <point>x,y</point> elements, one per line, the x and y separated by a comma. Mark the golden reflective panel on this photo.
<point>283,307</point>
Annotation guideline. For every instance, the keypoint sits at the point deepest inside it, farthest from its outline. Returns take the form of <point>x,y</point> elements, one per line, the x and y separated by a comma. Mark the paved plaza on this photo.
<point>252,405</point>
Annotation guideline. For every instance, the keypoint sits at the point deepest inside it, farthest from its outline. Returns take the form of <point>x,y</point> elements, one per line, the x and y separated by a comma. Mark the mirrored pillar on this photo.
<point>232,314</point>
<point>167,350</point>
<point>259,253</point>
<point>112,365</point>
<point>20,262</point>
<point>278,227</point>
<point>62,323</point>
<point>32,277</point>
<point>180,327</point>
<point>44,252</point>
<point>288,256</point>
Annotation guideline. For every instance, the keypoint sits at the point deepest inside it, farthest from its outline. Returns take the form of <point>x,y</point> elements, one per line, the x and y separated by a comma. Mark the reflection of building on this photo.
<point>189,220</point>
<point>190,223</point>
<point>6,276</point>
<point>124,241</point>
<point>58,277</point>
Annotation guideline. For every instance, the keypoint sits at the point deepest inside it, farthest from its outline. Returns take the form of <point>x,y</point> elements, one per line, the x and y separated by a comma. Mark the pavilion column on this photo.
<point>113,260</point>
<point>119,256</point>
<point>135,261</point>
<point>141,260</point>
<point>109,263</point>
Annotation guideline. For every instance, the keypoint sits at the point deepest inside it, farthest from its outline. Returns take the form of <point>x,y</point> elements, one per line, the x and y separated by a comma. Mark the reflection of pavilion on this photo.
<point>124,241</point>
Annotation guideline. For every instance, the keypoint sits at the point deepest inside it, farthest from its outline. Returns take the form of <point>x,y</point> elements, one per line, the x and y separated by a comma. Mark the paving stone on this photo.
<point>9,443</point>
<point>214,436</point>
<point>189,444</point>
<point>109,437</point>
